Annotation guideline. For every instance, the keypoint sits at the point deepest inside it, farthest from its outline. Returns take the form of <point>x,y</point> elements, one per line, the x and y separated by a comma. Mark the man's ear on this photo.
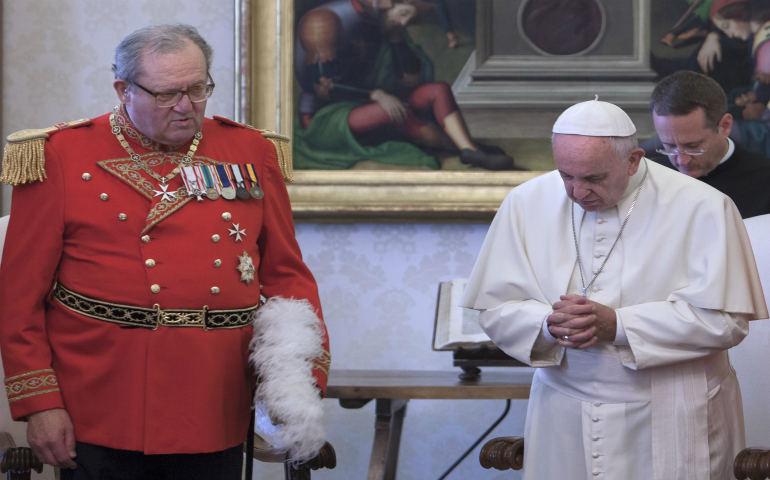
<point>122,89</point>
<point>725,124</point>
<point>634,159</point>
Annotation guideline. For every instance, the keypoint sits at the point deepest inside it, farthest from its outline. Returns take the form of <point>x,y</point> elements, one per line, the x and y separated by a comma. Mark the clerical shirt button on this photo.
<point>217,263</point>
<point>214,290</point>
<point>86,177</point>
<point>596,438</point>
<point>226,216</point>
<point>597,404</point>
<point>595,472</point>
<point>595,455</point>
<point>150,263</point>
<point>146,239</point>
<point>104,197</point>
<point>600,221</point>
<point>598,255</point>
<point>596,289</point>
<point>595,419</point>
<point>155,288</point>
<point>122,217</point>
<point>599,238</point>
<point>215,238</point>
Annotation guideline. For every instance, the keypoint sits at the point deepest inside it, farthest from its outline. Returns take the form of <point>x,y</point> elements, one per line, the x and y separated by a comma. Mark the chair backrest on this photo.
<point>752,356</point>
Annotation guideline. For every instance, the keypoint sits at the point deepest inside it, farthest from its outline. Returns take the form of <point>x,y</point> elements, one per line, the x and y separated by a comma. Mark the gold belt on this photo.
<point>153,317</point>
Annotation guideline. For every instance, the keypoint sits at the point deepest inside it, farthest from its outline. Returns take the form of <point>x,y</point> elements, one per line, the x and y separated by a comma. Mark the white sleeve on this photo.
<point>663,333</point>
<point>517,329</point>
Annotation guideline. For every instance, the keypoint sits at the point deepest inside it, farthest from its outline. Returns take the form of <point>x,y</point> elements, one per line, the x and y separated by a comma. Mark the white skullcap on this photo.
<point>594,119</point>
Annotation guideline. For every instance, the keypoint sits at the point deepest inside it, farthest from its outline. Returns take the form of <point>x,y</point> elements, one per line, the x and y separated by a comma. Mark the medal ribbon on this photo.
<point>222,174</point>
<point>214,178</point>
<point>207,176</point>
<point>252,173</point>
<point>238,176</point>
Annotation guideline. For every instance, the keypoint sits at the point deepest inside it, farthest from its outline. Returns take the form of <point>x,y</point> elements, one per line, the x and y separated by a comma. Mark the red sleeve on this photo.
<point>282,272</point>
<point>33,248</point>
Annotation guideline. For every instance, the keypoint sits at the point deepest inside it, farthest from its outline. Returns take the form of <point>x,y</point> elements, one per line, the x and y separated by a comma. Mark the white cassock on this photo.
<point>662,401</point>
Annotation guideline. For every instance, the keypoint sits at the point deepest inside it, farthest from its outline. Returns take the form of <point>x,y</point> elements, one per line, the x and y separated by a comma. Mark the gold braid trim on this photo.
<point>24,155</point>
<point>31,384</point>
<point>282,145</point>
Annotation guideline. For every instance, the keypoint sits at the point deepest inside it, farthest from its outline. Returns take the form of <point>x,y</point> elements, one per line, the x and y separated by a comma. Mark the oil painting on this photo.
<point>434,109</point>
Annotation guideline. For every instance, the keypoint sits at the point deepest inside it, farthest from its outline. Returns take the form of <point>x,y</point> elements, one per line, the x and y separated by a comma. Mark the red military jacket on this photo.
<point>96,226</point>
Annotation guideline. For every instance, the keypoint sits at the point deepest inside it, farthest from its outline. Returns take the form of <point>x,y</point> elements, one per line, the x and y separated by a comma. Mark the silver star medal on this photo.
<point>167,196</point>
<point>246,268</point>
<point>237,231</point>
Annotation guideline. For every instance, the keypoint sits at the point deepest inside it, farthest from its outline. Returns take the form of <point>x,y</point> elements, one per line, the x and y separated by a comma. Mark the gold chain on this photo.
<point>186,160</point>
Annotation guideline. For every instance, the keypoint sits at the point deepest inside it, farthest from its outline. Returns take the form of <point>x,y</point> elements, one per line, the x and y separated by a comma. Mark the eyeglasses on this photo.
<point>686,151</point>
<point>196,94</point>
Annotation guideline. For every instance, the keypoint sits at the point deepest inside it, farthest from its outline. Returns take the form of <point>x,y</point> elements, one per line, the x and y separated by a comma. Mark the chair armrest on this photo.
<point>753,463</point>
<point>503,453</point>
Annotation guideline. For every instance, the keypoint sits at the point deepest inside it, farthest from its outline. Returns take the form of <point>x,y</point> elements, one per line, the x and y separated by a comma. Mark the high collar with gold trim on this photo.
<point>135,136</point>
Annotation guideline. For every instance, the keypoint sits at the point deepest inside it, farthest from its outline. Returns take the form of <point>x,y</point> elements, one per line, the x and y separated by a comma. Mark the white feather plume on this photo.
<point>287,338</point>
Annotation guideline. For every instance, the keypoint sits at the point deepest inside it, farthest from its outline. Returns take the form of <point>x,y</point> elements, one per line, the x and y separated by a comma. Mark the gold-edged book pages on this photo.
<point>455,326</point>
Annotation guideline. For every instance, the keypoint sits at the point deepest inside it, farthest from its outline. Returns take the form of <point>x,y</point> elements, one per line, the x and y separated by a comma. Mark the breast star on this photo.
<point>246,267</point>
<point>237,231</point>
<point>167,196</point>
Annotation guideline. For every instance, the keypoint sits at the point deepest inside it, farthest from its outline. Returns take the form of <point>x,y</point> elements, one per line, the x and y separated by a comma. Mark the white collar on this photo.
<point>730,151</point>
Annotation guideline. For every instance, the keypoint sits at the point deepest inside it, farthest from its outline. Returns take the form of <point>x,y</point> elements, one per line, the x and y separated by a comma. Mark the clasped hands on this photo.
<point>582,321</point>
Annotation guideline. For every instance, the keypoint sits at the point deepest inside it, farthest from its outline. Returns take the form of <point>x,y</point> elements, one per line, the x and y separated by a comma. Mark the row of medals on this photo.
<point>229,193</point>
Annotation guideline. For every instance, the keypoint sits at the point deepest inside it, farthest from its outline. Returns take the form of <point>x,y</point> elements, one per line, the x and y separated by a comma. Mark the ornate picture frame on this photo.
<point>264,98</point>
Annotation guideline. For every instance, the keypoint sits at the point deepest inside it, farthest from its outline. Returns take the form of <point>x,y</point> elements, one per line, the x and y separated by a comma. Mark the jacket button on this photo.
<point>150,263</point>
<point>155,288</point>
<point>214,290</point>
<point>104,197</point>
<point>215,238</point>
<point>86,177</point>
<point>145,239</point>
<point>226,216</point>
<point>217,263</point>
<point>122,217</point>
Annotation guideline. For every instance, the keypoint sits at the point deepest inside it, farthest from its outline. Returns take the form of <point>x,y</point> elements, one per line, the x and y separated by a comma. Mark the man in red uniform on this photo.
<point>127,297</point>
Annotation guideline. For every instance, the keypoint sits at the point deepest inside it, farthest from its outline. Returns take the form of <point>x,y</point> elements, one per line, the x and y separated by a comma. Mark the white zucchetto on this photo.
<point>594,119</point>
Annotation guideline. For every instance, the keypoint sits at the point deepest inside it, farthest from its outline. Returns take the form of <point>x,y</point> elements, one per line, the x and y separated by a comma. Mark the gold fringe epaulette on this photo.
<point>24,155</point>
<point>282,145</point>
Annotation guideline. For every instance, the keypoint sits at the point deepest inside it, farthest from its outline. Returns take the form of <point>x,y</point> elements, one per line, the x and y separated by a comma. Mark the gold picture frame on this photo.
<point>263,91</point>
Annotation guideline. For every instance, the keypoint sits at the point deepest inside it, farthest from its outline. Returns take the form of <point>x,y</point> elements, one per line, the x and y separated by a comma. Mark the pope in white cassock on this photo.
<point>627,282</point>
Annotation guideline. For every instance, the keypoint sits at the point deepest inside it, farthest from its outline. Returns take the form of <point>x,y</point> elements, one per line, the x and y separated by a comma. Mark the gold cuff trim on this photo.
<point>35,372</point>
<point>33,394</point>
<point>29,384</point>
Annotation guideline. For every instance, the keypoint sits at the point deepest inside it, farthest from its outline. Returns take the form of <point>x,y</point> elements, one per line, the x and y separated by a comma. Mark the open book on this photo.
<point>456,327</point>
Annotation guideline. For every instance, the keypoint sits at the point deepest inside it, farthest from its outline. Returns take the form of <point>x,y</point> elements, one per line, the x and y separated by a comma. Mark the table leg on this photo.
<point>387,439</point>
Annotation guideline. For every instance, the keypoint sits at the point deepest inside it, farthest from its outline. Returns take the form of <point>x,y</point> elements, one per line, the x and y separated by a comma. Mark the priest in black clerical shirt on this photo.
<point>690,115</point>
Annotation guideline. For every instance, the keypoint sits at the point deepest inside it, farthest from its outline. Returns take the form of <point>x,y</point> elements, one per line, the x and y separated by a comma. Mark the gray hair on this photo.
<point>155,39</point>
<point>621,146</point>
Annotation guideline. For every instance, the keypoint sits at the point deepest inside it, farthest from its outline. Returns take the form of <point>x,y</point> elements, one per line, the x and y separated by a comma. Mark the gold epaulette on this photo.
<point>24,155</point>
<point>282,145</point>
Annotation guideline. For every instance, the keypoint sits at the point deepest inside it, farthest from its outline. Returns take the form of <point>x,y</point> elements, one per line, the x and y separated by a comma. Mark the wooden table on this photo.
<point>392,389</point>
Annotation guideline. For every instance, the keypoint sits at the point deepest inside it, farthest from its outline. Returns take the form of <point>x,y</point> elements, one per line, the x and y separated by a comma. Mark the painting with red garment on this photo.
<point>374,86</point>
<point>435,85</point>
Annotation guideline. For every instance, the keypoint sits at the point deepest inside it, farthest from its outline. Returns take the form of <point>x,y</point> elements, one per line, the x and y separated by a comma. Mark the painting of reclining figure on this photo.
<point>370,92</point>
